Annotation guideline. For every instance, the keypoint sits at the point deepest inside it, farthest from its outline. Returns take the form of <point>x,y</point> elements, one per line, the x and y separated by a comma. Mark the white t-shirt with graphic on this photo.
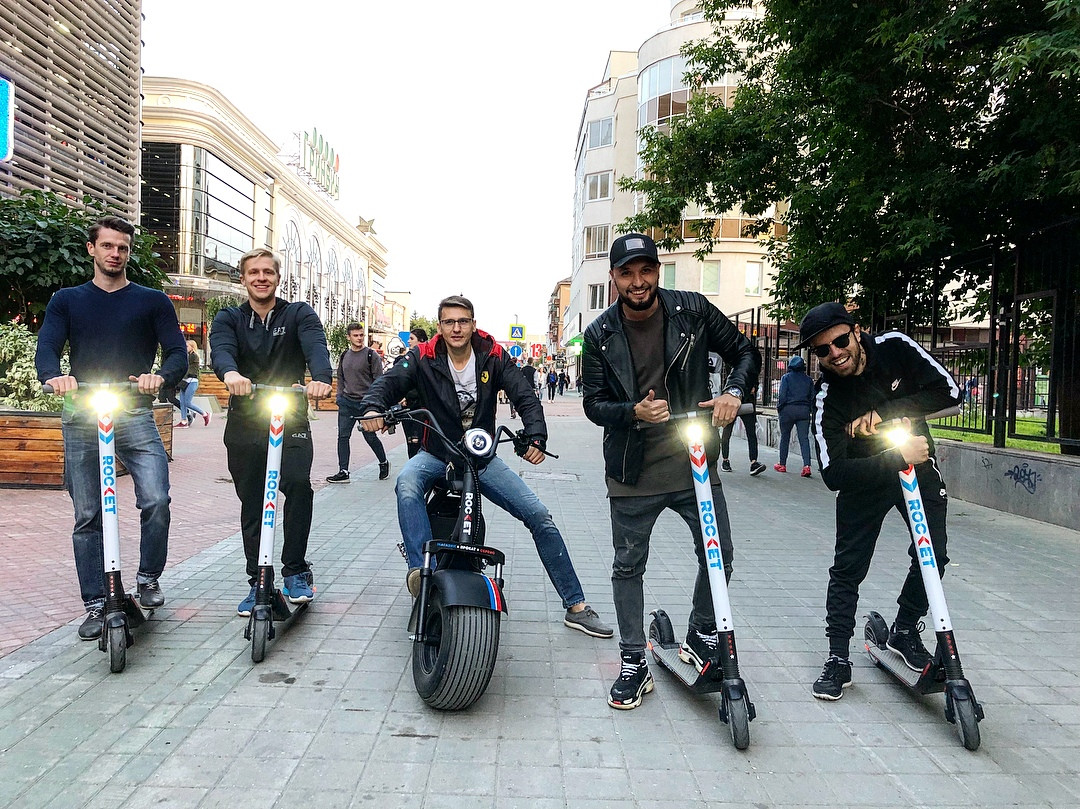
<point>465,383</point>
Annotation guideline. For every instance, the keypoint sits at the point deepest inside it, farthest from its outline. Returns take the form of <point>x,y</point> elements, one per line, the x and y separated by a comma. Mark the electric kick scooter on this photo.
<point>122,611</point>
<point>721,672</point>
<point>944,672</point>
<point>270,604</point>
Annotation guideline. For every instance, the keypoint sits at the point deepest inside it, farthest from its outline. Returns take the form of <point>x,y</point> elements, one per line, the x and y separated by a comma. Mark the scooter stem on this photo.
<point>271,499</point>
<point>924,550</point>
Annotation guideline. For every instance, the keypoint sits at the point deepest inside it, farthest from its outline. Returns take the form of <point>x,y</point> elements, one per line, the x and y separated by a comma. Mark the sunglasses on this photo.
<point>822,351</point>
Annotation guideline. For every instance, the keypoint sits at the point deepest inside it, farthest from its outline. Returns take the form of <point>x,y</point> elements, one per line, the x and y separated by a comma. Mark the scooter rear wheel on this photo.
<point>260,631</point>
<point>738,713</point>
<point>452,668</point>
<point>117,643</point>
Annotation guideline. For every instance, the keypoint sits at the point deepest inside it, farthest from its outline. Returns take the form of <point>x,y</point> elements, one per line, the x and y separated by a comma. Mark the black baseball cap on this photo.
<point>630,246</point>
<point>821,318</point>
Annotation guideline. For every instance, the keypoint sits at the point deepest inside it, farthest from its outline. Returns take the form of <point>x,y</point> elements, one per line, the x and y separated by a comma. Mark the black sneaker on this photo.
<point>908,644</point>
<point>698,648</point>
<point>340,477</point>
<point>150,595</point>
<point>835,677</point>
<point>384,470</point>
<point>90,629</point>
<point>725,465</point>
<point>756,468</point>
<point>634,682</point>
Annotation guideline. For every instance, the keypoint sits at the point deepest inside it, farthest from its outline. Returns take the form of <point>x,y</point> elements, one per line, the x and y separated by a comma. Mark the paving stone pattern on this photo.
<point>331,718</point>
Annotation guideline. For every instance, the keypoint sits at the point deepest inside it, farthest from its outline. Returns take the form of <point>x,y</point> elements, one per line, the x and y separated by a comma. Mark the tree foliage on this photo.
<point>894,133</point>
<point>19,386</point>
<point>43,248</point>
<point>428,324</point>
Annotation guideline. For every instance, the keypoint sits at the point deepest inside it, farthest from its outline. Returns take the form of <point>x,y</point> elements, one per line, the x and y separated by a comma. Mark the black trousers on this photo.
<point>858,524</point>
<point>247,465</point>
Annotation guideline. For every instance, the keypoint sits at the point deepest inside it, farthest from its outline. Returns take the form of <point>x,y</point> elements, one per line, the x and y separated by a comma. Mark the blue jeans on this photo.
<point>139,446</point>
<point>500,485</point>
<point>186,395</point>
<point>802,428</point>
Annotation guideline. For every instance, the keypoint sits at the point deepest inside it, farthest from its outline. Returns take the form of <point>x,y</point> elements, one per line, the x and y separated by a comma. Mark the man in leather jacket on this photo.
<point>645,357</point>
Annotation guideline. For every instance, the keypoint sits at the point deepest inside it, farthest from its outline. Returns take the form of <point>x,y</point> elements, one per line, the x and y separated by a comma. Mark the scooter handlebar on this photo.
<point>522,444</point>
<point>278,388</point>
<point>120,386</point>
<point>746,409</point>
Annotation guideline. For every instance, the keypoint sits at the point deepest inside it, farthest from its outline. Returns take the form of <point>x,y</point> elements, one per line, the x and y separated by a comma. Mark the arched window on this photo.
<point>290,263</point>
<point>315,273</point>
<point>333,300</point>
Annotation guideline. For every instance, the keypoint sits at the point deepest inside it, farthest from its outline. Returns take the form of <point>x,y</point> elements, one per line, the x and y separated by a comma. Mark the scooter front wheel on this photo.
<point>453,666</point>
<point>967,724</point>
<point>738,714</point>
<point>260,631</point>
<point>116,641</point>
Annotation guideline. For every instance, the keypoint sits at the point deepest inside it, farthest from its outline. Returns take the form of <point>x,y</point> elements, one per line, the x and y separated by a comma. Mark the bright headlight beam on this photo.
<point>693,432</point>
<point>278,403</point>
<point>897,436</point>
<point>104,401</point>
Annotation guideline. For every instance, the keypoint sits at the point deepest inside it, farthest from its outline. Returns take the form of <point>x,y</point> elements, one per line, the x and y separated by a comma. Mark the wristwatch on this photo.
<point>733,391</point>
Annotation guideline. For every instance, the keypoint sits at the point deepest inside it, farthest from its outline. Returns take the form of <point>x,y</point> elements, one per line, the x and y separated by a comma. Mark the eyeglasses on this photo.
<point>822,351</point>
<point>449,323</point>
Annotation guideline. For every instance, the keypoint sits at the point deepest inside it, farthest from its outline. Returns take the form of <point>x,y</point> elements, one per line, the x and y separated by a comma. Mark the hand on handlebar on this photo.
<point>725,408</point>
<point>915,449</point>
<point>318,390</point>
<point>864,425</point>
<point>652,410</point>
<point>237,384</point>
<point>373,422</point>
<point>148,383</point>
<point>534,455</point>
<point>62,384</point>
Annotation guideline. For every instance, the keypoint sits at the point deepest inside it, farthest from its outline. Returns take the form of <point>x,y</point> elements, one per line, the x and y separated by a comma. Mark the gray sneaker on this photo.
<point>589,622</point>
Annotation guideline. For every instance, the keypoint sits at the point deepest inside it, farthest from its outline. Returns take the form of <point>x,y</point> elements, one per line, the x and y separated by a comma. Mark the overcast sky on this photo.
<point>455,122</point>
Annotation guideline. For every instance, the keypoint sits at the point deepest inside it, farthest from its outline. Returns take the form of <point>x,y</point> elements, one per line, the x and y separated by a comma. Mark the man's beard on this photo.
<point>629,303</point>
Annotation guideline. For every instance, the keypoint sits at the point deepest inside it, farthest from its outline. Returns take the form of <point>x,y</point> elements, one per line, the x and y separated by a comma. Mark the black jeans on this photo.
<point>750,425</point>
<point>632,520</point>
<point>346,423</point>
<point>247,465</point>
<point>858,524</point>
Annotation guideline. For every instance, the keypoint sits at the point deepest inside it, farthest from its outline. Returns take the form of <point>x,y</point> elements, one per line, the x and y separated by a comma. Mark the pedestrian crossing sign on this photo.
<point>517,331</point>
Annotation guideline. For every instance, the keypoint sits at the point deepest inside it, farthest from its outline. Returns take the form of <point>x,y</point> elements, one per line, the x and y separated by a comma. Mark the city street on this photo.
<point>331,717</point>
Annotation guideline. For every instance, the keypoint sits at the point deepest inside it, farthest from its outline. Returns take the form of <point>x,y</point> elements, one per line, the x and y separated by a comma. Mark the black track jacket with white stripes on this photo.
<point>899,379</point>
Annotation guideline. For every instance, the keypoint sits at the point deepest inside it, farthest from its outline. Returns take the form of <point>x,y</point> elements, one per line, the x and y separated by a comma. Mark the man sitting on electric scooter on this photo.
<point>458,375</point>
<point>864,380</point>
<point>645,356</point>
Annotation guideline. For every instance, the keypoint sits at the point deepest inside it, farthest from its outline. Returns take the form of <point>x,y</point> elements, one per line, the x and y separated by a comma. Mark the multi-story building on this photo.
<point>75,67</point>
<point>214,186</point>
<point>557,303</point>
<point>639,89</point>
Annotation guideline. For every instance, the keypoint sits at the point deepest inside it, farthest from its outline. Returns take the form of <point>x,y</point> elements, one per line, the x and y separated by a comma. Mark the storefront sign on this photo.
<point>320,162</point>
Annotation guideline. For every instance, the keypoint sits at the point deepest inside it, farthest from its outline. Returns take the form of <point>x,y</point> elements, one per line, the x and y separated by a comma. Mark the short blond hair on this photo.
<point>261,252</point>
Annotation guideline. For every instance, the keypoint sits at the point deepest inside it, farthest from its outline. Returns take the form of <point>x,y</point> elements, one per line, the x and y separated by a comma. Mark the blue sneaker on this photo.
<point>299,588</point>
<point>247,605</point>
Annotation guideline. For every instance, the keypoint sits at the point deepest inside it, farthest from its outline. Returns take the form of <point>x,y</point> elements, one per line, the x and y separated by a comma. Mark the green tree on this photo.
<point>337,340</point>
<point>43,248</point>
<point>893,133</point>
<point>428,324</point>
<point>19,386</point>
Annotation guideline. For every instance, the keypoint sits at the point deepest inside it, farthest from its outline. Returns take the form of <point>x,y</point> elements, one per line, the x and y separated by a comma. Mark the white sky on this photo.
<point>455,123</point>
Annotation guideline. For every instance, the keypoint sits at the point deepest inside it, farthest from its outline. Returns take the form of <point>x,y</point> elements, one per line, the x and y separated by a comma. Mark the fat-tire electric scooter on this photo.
<point>721,671</point>
<point>943,672</point>
<point>270,605</point>
<point>457,614</point>
<point>122,611</point>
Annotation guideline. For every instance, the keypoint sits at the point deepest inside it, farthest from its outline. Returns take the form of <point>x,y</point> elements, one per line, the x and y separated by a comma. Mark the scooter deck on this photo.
<point>922,682</point>
<point>668,657</point>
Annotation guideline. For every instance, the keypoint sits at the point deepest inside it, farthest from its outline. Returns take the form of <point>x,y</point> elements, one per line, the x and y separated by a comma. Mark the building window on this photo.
<point>667,276</point>
<point>753,277</point>
<point>597,297</point>
<point>596,241</point>
<point>598,186</point>
<point>710,278</point>
<point>601,133</point>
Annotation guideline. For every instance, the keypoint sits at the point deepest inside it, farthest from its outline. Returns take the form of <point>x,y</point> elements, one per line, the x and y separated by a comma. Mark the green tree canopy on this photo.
<point>891,133</point>
<point>428,324</point>
<point>43,248</point>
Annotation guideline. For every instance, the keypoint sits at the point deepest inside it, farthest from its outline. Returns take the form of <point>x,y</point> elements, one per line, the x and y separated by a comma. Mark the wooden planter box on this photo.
<point>210,385</point>
<point>32,447</point>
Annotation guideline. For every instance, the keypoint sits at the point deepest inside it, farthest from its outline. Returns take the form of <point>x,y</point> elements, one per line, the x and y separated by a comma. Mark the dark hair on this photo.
<point>456,302</point>
<point>112,223</point>
<point>354,326</point>
<point>420,334</point>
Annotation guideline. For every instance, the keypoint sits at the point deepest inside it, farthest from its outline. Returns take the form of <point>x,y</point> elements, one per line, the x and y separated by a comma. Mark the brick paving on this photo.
<point>331,719</point>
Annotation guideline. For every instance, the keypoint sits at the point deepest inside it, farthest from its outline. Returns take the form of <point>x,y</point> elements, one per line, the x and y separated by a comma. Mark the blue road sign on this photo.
<point>517,331</point>
<point>516,351</point>
<point>7,118</point>
<point>404,335</point>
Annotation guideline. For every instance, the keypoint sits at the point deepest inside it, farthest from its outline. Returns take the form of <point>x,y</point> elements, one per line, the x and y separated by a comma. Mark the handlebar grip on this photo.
<point>745,409</point>
<point>129,386</point>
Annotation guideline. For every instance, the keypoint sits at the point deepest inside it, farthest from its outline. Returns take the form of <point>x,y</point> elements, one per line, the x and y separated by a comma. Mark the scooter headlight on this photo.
<point>897,436</point>
<point>694,432</point>
<point>278,403</point>
<point>104,401</point>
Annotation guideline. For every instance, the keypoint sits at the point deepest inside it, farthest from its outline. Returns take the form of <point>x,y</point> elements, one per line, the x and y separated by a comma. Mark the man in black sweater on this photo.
<point>358,367</point>
<point>270,341</point>
<point>113,328</point>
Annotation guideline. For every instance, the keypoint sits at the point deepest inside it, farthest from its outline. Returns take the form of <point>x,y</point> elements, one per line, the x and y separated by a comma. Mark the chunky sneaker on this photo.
<point>589,622</point>
<point>835,677</point>
<point>725,465</point>
<point>412,581</point>
<point>244,608</point>
<point>299,588</point>
<point>908,644</point>
<point>634,682</point>
<point>756,467</point>
<point>180,424</point>
<point>384,470</point>
<point>340,477</point>
<point>779,467</point>
<point>698,648</point>
<point>90,628</point>
<point>806,472</point>
<point>150,595</point>
<point>206,419</point>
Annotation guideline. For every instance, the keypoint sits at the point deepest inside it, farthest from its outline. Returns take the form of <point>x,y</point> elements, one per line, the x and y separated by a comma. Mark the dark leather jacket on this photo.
<point>692,328</point>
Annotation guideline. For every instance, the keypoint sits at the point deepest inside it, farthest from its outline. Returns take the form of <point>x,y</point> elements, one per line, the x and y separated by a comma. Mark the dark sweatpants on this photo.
<point>859,516</point>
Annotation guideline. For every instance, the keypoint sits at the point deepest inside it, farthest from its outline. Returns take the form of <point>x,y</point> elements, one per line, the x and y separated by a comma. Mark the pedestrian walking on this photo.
<point>357,368</point>
<point>749,421</point>
<point>795,401</point>
<point>187,387</point>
